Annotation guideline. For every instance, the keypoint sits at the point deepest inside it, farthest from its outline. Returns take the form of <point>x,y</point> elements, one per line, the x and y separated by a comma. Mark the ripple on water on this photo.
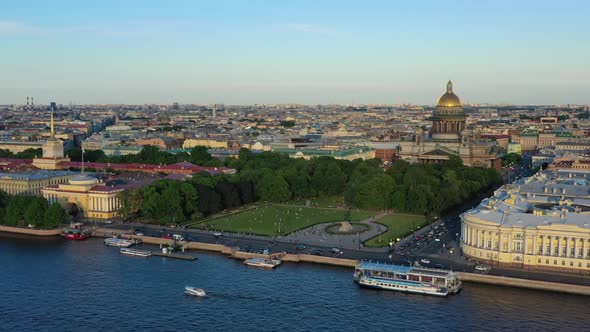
<point>72,286</point>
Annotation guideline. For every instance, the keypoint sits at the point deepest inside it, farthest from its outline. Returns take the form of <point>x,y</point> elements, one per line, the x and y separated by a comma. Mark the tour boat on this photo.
<point>407,279</point>
<point>76,236</point>
<point>116,242</point>
<point>262,262</point>
<point>194,291</point>
<point>135,252</point>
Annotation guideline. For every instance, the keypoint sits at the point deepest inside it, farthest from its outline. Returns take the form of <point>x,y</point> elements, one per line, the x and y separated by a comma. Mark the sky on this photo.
<point>307,52</point>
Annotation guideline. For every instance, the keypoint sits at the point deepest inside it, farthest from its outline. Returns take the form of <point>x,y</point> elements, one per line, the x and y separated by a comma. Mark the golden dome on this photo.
<point>449,99</point>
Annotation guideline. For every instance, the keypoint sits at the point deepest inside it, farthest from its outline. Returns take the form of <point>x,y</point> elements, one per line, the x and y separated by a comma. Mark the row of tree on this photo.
<point>274,177</point>
<point>30,210</point>
<point>149,155</point>
<point>171,201</point>
<point>26,154</point>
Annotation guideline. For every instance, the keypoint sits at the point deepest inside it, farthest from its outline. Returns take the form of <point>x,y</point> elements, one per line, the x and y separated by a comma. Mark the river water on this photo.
<point>57,285</point>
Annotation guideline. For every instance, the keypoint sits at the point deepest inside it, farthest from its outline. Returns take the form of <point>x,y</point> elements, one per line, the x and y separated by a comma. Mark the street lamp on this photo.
<point>451,256</point>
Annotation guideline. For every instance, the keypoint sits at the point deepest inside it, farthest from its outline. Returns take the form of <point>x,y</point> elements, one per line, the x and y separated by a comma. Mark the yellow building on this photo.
<point>210,143</point>
<point>540,223</point>
<point>85,196</point>
<point>31,183</point>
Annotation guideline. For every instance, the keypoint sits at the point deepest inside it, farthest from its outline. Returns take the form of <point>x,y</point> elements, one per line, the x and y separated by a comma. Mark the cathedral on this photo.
<point>448,137</point>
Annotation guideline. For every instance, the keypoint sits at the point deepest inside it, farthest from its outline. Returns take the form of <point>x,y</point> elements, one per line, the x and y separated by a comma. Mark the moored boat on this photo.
<point>135,252</point>
<point>194,291</point>
<point>407,279</point>
<point>263,262</point>
<point>76,236</point>
<point>116,242</point>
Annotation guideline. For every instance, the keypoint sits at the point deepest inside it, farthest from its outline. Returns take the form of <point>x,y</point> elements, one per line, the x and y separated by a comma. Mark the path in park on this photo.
<point>316,235</point>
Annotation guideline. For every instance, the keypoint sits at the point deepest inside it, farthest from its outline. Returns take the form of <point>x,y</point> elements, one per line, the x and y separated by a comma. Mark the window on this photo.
<point>555,262</point>
<point>581,252</point>
<point>539,261</point>
<point>547,261</point>
<point>540,248</point>
<point>571,263</point>
<point>548,251</point>
<point>556,251</point>
<point>572,251</point>
<point>563,263</point>
<point>564,251</point>
<point>579,264</point>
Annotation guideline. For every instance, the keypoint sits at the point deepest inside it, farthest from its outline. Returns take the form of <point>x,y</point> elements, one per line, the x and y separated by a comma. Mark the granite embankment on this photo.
<point>33,232</point>
<point>233,252</point>
<point>466,277</point>
<point>524,283</point>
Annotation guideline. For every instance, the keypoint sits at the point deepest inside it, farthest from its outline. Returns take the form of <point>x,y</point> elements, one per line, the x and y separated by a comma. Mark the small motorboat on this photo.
<point>194,291</point>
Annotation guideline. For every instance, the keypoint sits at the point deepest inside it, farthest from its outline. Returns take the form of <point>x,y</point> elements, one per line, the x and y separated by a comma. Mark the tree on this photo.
<point>35,212</point>
<point>130,202</point>
<point>273,188</point>
<point>15,210</point>
<point>55,216</point>
<point>199,155</point>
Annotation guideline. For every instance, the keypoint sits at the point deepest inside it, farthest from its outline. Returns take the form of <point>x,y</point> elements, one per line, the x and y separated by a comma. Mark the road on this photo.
<point>438,243</point>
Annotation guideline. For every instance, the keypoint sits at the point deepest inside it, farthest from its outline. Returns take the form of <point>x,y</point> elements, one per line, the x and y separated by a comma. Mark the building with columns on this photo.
<point>448,137</point>
<point>541,222</point>
<point>86,197</point>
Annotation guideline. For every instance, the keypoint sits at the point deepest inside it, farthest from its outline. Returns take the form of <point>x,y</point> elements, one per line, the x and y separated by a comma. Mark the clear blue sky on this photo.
<point>244,52</point>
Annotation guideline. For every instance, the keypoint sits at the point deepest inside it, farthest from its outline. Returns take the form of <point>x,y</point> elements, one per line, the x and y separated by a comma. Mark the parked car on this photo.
<point>437,240</point>
<point>138,232</point>
<point>300,246</point>
<point>439,266</point>
<point>425,261</point>
<point>109,221</point>
<point>217,234</point>
<point>481,268</point>
<point>177,237</point>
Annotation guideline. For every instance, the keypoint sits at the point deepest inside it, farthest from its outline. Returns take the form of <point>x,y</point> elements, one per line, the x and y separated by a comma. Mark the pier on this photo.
<point>173,255</point>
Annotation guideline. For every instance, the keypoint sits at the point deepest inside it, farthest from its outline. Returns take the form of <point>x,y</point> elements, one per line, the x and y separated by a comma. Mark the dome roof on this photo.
<point>83,180</point>
<point>449,99</point>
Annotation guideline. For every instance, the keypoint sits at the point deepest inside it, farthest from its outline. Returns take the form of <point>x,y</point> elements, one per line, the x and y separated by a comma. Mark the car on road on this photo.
<point>425,261</point>
<point>439,266</point>
<point>317,252</point>
<point>300,246</point>
<point>481,268</point>
<point>217,234</point>
<point>108,221</point>
<point>138,232</point>
<point>336,251</point>
<point>177,237</point>
<point>437,240</point>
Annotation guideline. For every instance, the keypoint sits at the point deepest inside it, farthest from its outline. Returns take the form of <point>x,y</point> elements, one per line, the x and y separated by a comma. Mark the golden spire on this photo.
<point>52,128</point>
<point>450,87</point>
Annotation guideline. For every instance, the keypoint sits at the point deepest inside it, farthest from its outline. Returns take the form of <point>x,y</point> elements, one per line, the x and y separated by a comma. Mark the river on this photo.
<point>57,285</point>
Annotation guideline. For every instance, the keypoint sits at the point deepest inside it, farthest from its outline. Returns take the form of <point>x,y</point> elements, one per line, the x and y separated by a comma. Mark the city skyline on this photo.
<point>309,53</point>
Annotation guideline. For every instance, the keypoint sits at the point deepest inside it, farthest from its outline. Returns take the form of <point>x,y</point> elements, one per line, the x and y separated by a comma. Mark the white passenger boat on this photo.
<point>135,252</point>
<point>263,262</point>
<point>116,242</point>
<point>194,291</point>
<point>407,279</point>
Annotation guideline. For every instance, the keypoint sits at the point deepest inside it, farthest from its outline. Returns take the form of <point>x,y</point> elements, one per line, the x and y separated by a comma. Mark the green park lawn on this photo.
<point>398,226</point>
<point>278,220</point>
<point>323,202</point>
